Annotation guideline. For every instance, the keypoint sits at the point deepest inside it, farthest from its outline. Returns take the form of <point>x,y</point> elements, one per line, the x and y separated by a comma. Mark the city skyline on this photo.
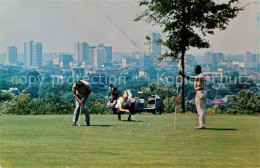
<point>109,22</point>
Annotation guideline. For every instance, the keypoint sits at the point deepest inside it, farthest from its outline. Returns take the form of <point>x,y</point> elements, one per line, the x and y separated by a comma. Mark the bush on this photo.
<point>190,107</point>
<point>169,104</point>
<point>22,104</point>
<point>245,102</point>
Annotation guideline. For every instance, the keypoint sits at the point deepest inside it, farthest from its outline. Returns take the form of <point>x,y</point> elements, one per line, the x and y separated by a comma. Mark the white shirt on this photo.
<point>120,101</point>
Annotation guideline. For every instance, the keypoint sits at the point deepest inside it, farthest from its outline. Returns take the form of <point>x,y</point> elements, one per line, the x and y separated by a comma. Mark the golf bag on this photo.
<point>112,96</point>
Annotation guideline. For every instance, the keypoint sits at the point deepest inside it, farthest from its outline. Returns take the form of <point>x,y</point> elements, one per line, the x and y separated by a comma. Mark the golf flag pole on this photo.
<point>176,99</point>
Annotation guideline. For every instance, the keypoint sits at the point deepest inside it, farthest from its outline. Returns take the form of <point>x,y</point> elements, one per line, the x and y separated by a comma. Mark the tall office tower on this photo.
<point>32,54</point>
<point>84,51</point>
<point>37,54</point>
<point>81,51</point>
<point>250,60</point>
<point>109,53</point>
<point>155,47</point>
<point>11,55</point>
<point>100,56</point>
<point>28,54</point>
<point>212,58</point>
<point>91,55</point>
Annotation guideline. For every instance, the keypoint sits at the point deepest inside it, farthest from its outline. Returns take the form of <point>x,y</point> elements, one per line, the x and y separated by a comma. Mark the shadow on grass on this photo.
<point>101,125</point>
<point>133,120</point>
<point>222,129</point>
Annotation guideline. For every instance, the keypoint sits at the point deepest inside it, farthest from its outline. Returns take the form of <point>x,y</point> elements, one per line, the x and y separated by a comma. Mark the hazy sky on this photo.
<point>60,23</point>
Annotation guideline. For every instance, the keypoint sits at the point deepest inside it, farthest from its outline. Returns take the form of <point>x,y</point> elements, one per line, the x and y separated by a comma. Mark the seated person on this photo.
<point>125,105</point>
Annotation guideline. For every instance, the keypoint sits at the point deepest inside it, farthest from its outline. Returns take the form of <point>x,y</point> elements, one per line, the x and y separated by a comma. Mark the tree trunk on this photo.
<point>182,82</point>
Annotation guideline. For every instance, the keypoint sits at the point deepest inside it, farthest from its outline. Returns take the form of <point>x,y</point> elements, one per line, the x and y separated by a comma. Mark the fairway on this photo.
<point>51,141</point>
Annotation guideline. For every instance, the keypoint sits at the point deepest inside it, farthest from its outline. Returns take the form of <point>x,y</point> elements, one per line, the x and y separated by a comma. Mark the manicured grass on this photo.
<point>51,141</point>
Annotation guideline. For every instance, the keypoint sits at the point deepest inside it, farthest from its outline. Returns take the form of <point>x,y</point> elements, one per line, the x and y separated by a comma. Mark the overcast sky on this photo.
<point>60,23</point>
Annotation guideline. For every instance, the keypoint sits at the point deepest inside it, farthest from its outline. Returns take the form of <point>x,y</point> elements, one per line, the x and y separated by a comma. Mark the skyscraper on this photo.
<point>32,54</point>
<point>11,55</point>
<point>212,58</point>
<point>250,60</point>
<point>37,54</point>
<point>109,53</point>
<point>155,47</point>
<point>100,56</point>
<point>81,52</point>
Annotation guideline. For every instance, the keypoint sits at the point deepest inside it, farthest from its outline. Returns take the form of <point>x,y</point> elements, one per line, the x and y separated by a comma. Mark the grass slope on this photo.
<point>51,141</point>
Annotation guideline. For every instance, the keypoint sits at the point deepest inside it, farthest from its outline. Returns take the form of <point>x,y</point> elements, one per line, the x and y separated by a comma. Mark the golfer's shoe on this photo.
<point>129,119</point>
<point>199,127</point>
<point>74,124</point>
<point>88,124</point>
<point>119,117</point>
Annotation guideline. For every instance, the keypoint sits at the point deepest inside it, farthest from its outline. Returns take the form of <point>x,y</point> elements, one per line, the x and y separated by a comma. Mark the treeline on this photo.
<point>245,102</point>
<point>22,104</point>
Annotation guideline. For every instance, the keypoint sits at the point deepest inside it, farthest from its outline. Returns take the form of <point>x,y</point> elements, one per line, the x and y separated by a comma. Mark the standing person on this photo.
<point>81,91</point>
<point>201,94</point>
<point>125,105</point>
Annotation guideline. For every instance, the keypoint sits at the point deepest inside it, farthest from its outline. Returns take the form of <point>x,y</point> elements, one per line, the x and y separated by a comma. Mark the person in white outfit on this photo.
<point>201,95</point>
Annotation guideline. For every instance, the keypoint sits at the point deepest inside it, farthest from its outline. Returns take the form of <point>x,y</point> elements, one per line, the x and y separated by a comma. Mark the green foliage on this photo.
<point>186,22</point>
<point>157,89</point>
<point>18,105</point>
<point>5,97</point>
<point>245,102</point>
<point>169,104</point>
<point>98,105</point>
<point>49,104</point>
<point>190,107</point>
<point>4,84</point>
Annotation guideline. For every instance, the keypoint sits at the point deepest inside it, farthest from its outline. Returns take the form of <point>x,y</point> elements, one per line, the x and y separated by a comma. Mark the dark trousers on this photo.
<point>130,108</point>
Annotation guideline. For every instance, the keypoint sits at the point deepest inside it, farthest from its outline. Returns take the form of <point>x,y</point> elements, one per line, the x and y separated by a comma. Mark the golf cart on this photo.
<point>152,104</point>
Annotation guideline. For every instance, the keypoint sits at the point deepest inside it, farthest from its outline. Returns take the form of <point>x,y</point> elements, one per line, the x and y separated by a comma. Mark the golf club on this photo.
<point>133,117</point>
<point>79,116</point>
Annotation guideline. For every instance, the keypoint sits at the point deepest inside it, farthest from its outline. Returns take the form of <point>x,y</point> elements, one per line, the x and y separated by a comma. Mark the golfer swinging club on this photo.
<point>81,91</point>
<point>201,94</point>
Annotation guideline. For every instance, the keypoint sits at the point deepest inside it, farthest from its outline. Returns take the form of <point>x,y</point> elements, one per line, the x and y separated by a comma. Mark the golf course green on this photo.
<point>51,141</point>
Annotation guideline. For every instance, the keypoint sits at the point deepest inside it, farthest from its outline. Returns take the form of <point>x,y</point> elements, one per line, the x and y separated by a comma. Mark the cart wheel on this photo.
<point>158,111</point>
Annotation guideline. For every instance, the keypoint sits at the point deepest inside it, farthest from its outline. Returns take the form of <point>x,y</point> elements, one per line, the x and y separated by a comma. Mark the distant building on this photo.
<point>146,61</point>
<point>155,47</point>
<point>250,60</point>
<point>81,51</point>
<point>109,53</point>
<point>130,62</point>
<point>238,64</point>
<point>219,102</point>
<point>78,73</point>
<point>65,60</point>
<point>100,56</point>
<point>32,54</point>
<point>55,60</point>
<point>11,55</point>
<point>212,58</point>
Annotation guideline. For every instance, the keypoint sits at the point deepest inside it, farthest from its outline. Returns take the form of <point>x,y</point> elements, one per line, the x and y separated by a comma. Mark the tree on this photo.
<point>186,23</point>
<point>245,102</point>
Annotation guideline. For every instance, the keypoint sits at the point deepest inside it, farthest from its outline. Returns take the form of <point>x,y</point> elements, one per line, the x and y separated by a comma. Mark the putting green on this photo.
<point>51,141</point>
